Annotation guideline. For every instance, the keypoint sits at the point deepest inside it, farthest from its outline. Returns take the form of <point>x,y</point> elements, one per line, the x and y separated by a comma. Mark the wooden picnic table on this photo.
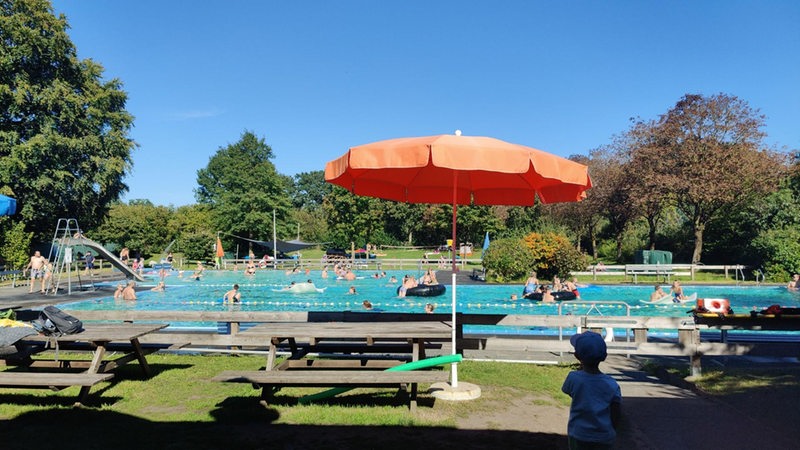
<point>339,340</point>
<point>99,339</point>
<point>361,336</point>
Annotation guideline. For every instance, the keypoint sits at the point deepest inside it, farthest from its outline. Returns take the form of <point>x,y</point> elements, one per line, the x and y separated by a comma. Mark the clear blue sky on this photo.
<point>314,78</point>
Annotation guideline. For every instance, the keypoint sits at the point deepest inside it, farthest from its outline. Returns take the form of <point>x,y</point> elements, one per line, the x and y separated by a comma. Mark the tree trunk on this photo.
<point>619,247</point>
<point>593,239</point>
<point>651,223</point>
<point>698,241</point>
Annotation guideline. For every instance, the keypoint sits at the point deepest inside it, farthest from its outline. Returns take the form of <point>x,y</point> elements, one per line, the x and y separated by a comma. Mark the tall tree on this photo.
<point>139,225</point>
<point>706,153</point>
<point>309,189</point>
<point>243,187</point>
<point>64,144</point>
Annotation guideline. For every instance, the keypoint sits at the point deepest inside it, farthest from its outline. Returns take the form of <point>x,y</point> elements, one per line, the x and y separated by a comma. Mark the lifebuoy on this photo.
<point>609,337</point>
<point>714,305</point>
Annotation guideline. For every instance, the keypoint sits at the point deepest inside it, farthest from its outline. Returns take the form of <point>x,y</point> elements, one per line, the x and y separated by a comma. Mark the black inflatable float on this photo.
<point>425,290</point>
<point>561,296</point>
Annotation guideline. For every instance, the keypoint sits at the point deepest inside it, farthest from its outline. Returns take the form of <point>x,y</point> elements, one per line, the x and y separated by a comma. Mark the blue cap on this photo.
<point>589,346</point>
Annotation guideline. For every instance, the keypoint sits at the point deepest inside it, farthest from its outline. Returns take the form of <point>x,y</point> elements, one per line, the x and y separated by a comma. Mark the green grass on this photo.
<point>739,380</point>
<point>182,391</point>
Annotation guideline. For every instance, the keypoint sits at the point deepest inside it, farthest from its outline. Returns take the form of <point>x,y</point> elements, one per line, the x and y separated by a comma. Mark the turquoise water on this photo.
<point>262,292</point>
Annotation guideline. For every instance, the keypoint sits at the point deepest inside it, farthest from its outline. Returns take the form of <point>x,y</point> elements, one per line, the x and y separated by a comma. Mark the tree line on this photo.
<point>698,180</point>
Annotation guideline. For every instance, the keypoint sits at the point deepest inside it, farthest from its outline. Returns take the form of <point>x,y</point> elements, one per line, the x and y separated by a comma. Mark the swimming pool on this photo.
<point>264,291</point>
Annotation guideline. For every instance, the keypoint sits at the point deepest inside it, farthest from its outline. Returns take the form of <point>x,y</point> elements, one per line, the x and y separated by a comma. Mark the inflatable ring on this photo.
<point>609,337</point>
<point>425,290</point>
<point>714,305</point>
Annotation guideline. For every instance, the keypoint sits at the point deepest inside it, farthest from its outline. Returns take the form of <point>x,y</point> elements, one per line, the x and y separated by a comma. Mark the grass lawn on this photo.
<point>180,407</point>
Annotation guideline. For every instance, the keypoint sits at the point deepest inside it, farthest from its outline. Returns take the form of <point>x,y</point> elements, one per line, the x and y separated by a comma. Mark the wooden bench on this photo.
<point>272,380</point>
<point>659,270</point>
<point>54,381</point>
<point>5,274</point>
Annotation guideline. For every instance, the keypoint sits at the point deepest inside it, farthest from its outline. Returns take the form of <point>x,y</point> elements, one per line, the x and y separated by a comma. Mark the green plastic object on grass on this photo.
<point>414,365</point>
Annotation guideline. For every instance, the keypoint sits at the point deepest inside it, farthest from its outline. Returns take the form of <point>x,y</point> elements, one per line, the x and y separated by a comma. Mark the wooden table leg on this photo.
<point>137,350</point>
<point>417,349</point>
<point>273,348</point>
<point>97,357</point>
<point>97,360</point>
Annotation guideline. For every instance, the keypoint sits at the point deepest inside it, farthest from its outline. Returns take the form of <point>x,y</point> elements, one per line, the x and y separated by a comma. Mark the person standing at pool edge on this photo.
<point>596,397</point>
<point>36,266</point>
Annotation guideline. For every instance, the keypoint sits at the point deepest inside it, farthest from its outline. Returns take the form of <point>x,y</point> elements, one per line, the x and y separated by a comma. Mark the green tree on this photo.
<point>309,190</point>
<point>706,155</point>
<point>242,186</point>
<point>16,242</point>
<point>64,144</point>
<point>352,218</point>
<point>138,225</point>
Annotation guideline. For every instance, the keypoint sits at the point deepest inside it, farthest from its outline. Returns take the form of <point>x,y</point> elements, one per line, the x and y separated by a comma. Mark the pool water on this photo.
<point>264,292</point>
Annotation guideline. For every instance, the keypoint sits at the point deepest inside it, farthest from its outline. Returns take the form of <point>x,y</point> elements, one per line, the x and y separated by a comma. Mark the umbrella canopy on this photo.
<point>8,206</point>
<point>479,170</point>
<point>486,241</point>
<point>458,170</point>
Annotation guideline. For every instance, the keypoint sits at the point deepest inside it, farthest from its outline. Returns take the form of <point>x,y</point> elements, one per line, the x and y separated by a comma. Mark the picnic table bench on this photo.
<point>123,338</point>
<point>54,381</point>
<point>271,381</point>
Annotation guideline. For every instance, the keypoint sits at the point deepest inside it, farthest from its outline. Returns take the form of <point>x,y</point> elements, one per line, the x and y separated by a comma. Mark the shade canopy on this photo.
<point>8,206</point>
<point>286,246</point>
<point>482,170</point>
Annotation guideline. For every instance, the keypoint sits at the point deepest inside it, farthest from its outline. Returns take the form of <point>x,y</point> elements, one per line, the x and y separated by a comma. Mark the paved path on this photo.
<point>657,415</point>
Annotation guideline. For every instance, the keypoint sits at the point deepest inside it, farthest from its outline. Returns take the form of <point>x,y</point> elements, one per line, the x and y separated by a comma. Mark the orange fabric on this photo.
<point>487,171</point>
<point>220,251</point>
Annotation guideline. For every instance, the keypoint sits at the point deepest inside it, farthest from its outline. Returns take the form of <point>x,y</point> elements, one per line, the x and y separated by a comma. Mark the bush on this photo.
<point>553,254</point>
<point>779,252</point>
<point>548,253</point>
<point>507,259</point>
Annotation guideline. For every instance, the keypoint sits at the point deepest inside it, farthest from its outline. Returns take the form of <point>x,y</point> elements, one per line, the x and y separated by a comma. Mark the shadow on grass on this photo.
<point>91,428</point>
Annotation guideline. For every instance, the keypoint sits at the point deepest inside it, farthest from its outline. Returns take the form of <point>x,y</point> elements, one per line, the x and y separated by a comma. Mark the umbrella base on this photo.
<point>464,391</point>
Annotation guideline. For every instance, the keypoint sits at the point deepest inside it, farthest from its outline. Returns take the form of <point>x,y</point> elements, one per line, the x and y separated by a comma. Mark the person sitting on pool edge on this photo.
<point>232,296</point>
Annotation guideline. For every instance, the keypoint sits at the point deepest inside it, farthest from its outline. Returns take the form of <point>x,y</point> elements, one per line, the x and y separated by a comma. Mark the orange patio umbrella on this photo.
<point>458,170</point>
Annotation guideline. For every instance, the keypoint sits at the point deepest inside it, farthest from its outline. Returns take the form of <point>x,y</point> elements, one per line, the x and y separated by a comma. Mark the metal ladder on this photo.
<point>62,255</point>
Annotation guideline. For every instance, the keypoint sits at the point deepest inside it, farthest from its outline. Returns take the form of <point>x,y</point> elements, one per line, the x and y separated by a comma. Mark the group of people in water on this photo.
<point>532,286</point>
<point>676,292</point>
<point>409,282</point>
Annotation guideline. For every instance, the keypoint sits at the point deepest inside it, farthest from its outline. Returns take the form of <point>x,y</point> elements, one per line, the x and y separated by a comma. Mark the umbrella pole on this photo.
<point>454,366</point>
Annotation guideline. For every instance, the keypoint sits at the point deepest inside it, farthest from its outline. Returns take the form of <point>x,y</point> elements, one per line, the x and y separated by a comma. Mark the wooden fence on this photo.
<point>631,333</point>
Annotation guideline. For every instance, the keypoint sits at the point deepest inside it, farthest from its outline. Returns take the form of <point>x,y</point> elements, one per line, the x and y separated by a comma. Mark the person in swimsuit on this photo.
<point>677,292</point>
<point>36,266</point>
<point>657,293</point>
<point>531,284</point>
<point>232,296</point>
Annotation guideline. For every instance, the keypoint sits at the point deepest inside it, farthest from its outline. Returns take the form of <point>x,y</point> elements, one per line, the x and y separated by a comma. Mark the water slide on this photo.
<point>414,365</point>
<point>107,255</point>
